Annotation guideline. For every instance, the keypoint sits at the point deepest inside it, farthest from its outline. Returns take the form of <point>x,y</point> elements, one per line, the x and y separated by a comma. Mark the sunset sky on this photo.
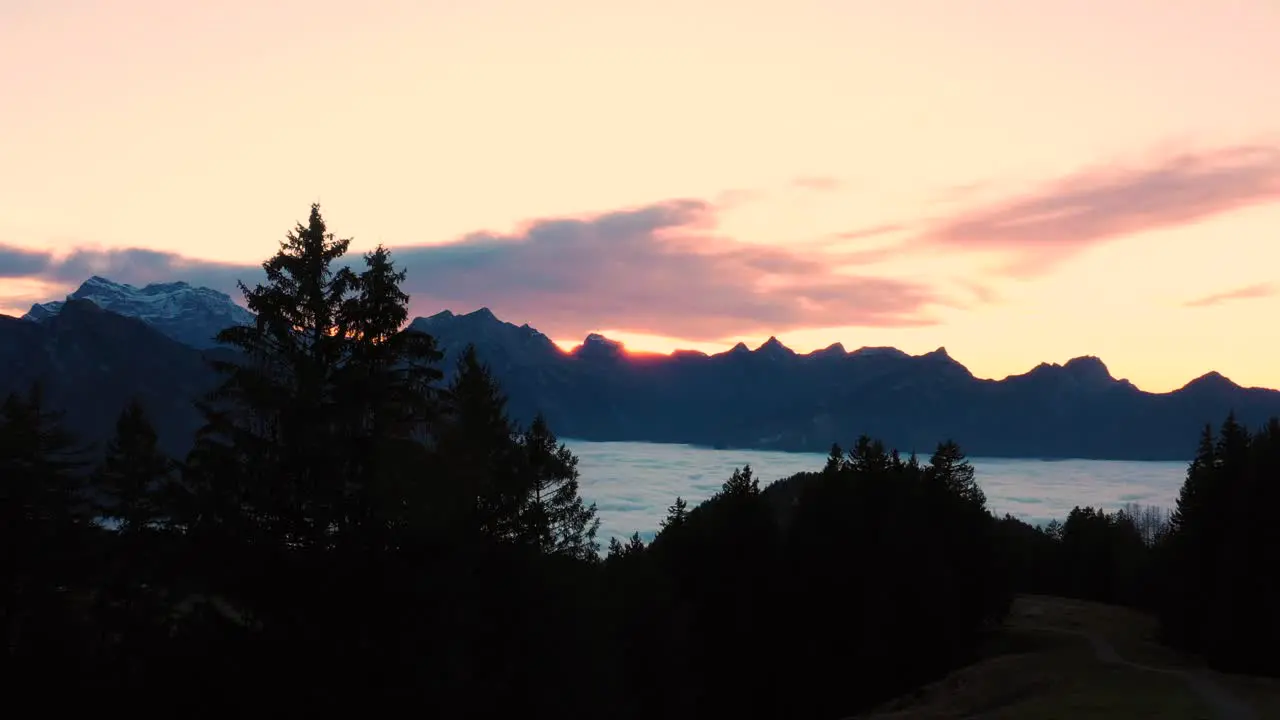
<point>1019,180</point>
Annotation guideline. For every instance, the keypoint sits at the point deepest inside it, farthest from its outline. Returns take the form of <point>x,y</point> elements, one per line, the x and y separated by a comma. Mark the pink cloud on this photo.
<point>1250,292</point>
<point>1041,228</point>
<point>654,269</point>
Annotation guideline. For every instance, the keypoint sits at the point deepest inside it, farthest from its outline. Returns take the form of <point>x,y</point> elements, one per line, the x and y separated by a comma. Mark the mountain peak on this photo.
<point>774,347</point>
<point>1212,380</point>
<point>186,313</point>
<point>596,345</point>
<point>490,335</point>
<point>1088,368</point>
<point>741,347</point>
<point>832,350</point>
<point>99,281</point>
<point>866,351</point>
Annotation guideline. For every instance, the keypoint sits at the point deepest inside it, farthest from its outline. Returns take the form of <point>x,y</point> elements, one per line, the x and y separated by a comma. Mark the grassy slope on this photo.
<point>1044,666</point>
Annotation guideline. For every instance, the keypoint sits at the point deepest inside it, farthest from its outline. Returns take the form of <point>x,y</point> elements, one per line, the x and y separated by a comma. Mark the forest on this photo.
<point>357,527</point>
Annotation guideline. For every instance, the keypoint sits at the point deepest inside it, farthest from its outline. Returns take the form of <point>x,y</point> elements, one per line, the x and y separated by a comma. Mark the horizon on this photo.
<point>569,347</point>
<point>1014,188</point>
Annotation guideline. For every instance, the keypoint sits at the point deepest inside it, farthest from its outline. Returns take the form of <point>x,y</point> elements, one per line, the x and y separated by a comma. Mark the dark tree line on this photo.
<point>1210,570</point>
<point>350,527</point>
<point>1092,555</point>
<point>1221,561</point>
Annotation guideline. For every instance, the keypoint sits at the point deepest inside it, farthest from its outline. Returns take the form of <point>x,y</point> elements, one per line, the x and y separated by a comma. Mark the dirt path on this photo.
<point>1225,704</point>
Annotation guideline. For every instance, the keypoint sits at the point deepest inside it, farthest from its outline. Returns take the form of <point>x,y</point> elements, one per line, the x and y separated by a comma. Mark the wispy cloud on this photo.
<point>1041,228</point>
<point>1249,292</point>
<point>866,232</point>
<point>659,268</point>
<point>841,242</point>
<point>818,183</point>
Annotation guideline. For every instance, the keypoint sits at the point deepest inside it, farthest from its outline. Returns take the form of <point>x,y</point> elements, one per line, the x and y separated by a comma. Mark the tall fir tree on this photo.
<point>40,464</point>
<point>1197,486</point>
<point>387,389</point>
<point>276,406</point>
<point>133,475</point>
<point>478,455</point>
<point>554,518</point>
<point>43,529</point>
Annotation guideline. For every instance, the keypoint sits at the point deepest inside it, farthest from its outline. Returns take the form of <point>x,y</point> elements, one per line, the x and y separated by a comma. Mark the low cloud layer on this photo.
<point>1249,292</point>
<point>136,266</point>
<point>1041,228</point>
<point>658,268</point>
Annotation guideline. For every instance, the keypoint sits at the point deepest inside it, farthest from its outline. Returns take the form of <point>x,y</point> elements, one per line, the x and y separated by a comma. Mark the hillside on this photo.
<point>1062,658</point>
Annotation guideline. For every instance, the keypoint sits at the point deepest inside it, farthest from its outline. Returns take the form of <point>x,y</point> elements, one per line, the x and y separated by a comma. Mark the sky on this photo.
<point>1019,181</point>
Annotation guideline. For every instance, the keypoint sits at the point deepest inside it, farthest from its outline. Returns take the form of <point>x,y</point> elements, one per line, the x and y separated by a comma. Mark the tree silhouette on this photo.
<point>276,406</point>
<point>479,455</point>
<point>553,517</point>
<point>43,529</point>
<point>676,514</point>
<point>949,466</point>
<point>133,475</point>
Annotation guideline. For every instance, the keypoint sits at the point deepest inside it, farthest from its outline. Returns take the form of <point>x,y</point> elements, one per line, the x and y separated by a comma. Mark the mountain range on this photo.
<point>108,342</point>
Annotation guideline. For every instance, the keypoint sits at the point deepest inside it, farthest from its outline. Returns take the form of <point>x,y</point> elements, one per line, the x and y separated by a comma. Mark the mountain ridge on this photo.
<point>770,397</point>
<point>187,313</point>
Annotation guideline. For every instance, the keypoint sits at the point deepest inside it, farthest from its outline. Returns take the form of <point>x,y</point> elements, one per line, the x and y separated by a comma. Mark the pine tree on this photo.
<point>1196,487</point>
<point>42,528</point>
<point>835,460</point>
<point>742,484</point>
<point>869,456</point>
<point>616,549</point>
<point>676,514</point>
<point>478,453</point>
<point>950,467</point>
<point>387,389</point>
<point>554,518</point>
<point>275,407</point>
<point>132,475</point>
<point>39,463</point>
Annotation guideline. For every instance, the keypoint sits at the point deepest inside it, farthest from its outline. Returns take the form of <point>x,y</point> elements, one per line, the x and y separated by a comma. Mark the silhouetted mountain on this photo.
<point>188,314</point>
<point>774,398</point>
<point>92,362</point>
<point>768,398</point>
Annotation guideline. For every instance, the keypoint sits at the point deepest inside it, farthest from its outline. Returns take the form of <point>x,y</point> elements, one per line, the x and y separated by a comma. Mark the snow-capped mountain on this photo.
<point>189,314</point>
